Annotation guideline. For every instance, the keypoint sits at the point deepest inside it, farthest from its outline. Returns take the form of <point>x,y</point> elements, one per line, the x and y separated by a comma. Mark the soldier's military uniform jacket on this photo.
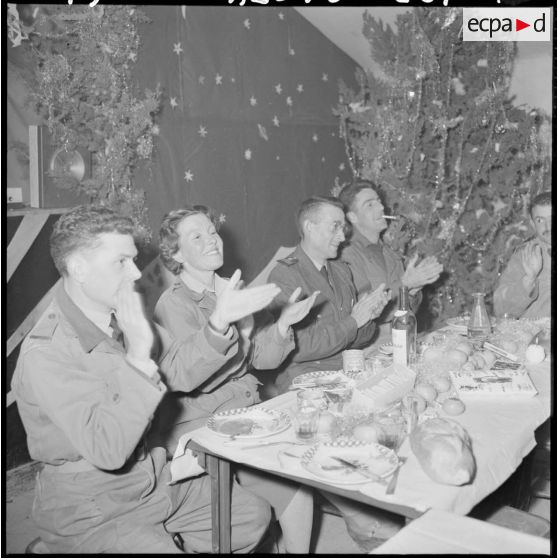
<point>371,265</point>
<point>86,410</point>
<point>511,296</point>
<point>329,328</point>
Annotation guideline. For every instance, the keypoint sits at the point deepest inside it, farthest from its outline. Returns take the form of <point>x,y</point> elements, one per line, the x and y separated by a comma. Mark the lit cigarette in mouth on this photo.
<point>389,216</point>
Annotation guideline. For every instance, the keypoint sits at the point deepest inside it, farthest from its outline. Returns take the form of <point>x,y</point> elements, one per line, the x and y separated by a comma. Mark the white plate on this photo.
<point>386,348</point>
<point>379,460</point>
<point>310,378</point>
<point>262,422</point>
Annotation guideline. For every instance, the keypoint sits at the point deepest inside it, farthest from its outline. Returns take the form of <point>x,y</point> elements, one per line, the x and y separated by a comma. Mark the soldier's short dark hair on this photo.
<point>309,207</point>
<point>79,229</point>
<point>350,192</point>
<point>544,198</point>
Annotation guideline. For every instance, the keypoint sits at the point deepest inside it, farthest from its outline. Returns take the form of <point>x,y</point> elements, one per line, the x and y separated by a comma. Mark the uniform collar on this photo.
<point>358,238</point>
<point>88,333</point>
<point>195,290</point>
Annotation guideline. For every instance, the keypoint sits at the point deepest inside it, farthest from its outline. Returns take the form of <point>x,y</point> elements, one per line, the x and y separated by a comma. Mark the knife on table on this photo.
<point>359,469</point>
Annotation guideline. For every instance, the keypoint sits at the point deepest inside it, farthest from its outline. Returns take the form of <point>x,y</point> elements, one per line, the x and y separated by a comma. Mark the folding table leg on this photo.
<point>220,472</point>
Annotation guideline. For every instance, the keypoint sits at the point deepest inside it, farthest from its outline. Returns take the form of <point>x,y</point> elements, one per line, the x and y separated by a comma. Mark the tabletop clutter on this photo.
<point>350,423</point>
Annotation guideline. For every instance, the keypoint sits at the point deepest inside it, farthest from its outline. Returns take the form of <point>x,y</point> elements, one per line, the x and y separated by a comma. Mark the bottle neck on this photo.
<point>404,298</point>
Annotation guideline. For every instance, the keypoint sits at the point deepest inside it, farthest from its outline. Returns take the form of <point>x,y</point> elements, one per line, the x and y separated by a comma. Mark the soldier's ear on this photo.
<point>306,226</point>
<point>351,217</point>
<point>76,265</point>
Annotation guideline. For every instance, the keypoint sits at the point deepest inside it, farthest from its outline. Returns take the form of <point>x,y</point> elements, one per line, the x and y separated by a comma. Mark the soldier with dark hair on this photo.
<point>523,290</point>
<point>87,384</point>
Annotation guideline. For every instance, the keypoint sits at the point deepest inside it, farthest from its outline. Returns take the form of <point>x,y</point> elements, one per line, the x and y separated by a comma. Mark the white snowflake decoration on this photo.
<point>278,89</point>
<point>300,88</point>
<point>173,102</point>
<point>201,80</point>
<point>253,101</point>
<point>188,176</point>
<point>222,218</point>
<point>202,131</point>
<point>248,154</point>
<point>275,121</point>
<point>177,48</point>
<point>289,101</point>
<point>218,79</point>
<point>247,23</point>
<point>325,77</point>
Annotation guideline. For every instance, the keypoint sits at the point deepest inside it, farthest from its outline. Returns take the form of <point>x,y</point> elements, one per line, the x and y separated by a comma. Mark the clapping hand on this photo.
<point>295,311</point>
<point>133,323</point>
<point>532,260</point>
<point>426,272</point>
<point>370,306</point>
<point>234,303</point>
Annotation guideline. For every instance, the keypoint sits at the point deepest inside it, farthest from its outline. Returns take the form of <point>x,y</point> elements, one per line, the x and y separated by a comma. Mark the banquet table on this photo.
<point>502,432</point>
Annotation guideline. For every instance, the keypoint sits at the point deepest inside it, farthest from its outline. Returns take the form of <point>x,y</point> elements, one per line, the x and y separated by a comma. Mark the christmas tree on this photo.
<point>81,86</point>
<point>436,130</point>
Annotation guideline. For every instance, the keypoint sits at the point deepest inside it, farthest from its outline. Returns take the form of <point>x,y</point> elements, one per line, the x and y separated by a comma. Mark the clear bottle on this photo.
<point>479,326</point>
<point>404,330</point>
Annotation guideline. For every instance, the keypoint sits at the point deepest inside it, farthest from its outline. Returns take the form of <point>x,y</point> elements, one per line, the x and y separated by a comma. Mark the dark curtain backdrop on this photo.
<point>246,124</point>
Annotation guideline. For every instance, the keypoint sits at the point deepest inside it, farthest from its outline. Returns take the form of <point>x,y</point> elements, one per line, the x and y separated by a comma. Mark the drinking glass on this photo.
<point>392,430</point>
<point>306,420</point>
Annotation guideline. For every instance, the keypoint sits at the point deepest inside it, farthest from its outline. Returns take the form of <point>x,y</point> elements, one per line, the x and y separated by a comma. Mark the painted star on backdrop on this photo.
<point>281,15</point>
<point>275,121</point>
<point>300,88</point>
<point>292,51</point>
<point>222,218</point>
<point>173,102</point>
<point>253,101</point>
<point>218,79</point>
<point>247,23</point>
<point>342,166</point>
<point>188,176</point>
<point>278,89</point>
<point>289,101</point>
<point>177,48</point>
<point>202,131</point>
<point>277,158</point>
<point>201,80</point>
<point>325,77</point>
<point>315,138</point>
<point>248,154</point>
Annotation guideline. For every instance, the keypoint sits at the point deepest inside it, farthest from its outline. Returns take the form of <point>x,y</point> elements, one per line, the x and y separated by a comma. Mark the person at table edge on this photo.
<point>373,262</point>
<point>86,401</point>
<point>523,290</point>
<point>337,321</point>
<point>191,248</point>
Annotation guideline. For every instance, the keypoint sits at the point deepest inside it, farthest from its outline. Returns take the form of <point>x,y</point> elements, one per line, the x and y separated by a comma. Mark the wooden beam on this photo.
<point>25,327</point>
<point>26,233</point>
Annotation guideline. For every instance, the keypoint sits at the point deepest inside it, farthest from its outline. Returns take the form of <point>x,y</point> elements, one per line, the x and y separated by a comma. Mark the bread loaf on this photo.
<point>443,449</point>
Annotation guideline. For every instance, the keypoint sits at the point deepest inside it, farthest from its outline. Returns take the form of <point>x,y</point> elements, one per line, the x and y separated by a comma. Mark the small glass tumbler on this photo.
<point>391,430</point>
<point>306,419</point>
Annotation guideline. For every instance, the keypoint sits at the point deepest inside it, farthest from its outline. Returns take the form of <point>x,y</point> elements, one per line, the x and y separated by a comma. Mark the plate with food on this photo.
<point>350,461</point>
<point>249,422</point>
<point>321,378</point>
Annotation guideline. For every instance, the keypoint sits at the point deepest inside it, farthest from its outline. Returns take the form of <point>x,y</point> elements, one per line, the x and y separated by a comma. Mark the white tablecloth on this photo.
<point>440,532</point>
<point>502,432</point>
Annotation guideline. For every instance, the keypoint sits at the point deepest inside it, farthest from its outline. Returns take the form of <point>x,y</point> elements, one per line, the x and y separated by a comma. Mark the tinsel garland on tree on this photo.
<point>435,129</point>
<point>82,87</point>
